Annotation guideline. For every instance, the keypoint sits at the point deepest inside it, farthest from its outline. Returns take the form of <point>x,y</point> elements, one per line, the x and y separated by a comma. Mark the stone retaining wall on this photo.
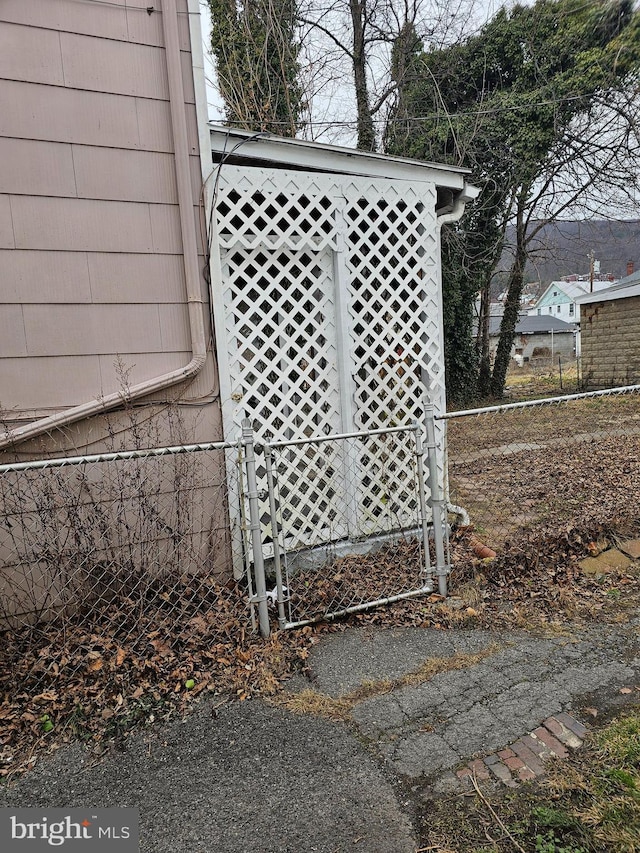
<point>610,333</point>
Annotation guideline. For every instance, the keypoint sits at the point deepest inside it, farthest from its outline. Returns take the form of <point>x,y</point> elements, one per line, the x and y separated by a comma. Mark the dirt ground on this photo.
<point>525,471</point>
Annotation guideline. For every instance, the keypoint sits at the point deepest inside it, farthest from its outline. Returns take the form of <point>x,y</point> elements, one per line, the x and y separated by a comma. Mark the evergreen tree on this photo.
<point>503,103</point>
<point>256,52</point>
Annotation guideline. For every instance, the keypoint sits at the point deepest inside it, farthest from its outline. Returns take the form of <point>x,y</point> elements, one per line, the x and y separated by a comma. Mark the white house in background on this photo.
<point>559,299</point>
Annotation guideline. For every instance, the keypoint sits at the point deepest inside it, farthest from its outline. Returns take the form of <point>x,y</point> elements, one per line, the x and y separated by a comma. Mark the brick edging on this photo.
<point>523,760</point>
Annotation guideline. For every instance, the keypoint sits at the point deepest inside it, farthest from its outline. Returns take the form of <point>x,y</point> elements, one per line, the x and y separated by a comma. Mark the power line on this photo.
<point>150,9</point>
<point>431,116</point>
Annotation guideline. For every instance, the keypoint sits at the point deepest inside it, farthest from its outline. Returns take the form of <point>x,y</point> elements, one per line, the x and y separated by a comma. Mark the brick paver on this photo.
<point>524,759</point>
<point>506,753</point>
<point>479,768</point>
<point>526,774</point>
<point>502,773</point>
<point>565,735</point>
<point>553,743</point>
<point>530,758</point>
<point>576,727</point>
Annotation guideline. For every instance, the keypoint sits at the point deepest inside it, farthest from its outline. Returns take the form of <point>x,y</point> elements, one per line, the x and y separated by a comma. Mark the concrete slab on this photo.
<point>608,561</point>
<point>256,779</point>
<point>343,662</point>
<point>631,548</point>
<point>423,754</point>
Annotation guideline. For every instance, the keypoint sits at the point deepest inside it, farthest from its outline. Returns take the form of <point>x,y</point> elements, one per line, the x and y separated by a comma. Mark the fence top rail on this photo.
<point>339,436</point>
<point>61,462</point>
<point>547,401</point>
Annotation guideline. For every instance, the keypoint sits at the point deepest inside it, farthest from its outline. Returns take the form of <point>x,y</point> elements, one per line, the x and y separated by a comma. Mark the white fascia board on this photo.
<point>609,295</point>
<point>200,88</point>
<point>300,154</point>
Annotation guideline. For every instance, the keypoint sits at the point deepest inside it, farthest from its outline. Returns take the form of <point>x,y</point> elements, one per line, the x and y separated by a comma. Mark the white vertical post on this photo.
<point>422,496</point>
<point>275,534</point>
<point>435,499</point>
<point>244,529</point>
<point>229,396</point>
<point>344,365</point>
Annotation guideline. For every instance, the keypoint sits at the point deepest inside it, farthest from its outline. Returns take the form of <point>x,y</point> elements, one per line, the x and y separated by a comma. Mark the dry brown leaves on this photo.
<point>394,568</point>
<point>538,581</point>
<point>99,674</point>
<point>95,675</point>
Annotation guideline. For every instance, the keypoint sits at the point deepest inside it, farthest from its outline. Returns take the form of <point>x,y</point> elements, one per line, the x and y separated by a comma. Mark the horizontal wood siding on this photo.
<point>90,242</point>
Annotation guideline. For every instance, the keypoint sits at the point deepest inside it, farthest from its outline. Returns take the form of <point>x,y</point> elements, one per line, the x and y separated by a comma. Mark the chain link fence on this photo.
<point>116,586</point>
<point>357,534</point>
<point>528,469</point>
<point>125,582</point>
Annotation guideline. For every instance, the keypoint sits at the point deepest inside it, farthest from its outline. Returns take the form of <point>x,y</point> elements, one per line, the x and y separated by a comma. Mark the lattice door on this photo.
<point>331,307</point>
<point>394,301</point>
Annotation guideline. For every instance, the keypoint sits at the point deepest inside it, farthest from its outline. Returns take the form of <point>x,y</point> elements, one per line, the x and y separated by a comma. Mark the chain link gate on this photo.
<point>346,518</point>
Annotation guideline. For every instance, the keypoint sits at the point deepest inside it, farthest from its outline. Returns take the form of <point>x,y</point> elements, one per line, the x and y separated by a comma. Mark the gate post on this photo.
<point>436,501</point>
<point>424,524</point>
<point>254,526</point>
<point>275,534</point>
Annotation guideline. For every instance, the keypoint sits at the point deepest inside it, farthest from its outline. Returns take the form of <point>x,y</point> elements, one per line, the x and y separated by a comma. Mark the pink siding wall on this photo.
<point>91,271</point>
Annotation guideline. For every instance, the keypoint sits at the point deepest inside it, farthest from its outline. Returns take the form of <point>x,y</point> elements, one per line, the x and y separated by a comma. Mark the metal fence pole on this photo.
<point>255,527</point>
<point>275,533</point>
<point>244,531</point>
<point>424,523</point>
<point>435,499</point>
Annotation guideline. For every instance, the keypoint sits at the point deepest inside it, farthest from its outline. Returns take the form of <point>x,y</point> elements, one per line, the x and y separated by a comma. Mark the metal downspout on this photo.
<point>190,254</point>
<point>468,193</point>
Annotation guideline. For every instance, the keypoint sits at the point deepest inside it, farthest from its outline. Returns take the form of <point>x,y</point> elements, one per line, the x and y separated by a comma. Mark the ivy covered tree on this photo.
<point>256,51</point>
<point>507,103</point>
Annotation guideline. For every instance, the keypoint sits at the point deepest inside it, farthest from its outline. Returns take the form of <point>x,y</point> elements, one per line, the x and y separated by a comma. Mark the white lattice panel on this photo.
<point>281,340</point>
<point>331,309</point>
<point>394,304</point>
<point>394,300</point>
<point>386,492</point>
<point>260,208</point>
<point>311,494</point>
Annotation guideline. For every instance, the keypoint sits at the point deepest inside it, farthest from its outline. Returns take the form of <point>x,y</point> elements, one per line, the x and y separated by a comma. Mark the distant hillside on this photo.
<point>563,248</point>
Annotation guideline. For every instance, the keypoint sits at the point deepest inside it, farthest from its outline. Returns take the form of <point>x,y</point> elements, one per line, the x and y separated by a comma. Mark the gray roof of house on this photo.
<point>532,325</point>
<point>622,289</point>
<point>539,323</point>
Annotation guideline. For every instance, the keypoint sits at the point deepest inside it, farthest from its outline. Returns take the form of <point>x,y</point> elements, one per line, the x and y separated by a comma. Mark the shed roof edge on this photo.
<point>610,295</point>
<point>299,153</point>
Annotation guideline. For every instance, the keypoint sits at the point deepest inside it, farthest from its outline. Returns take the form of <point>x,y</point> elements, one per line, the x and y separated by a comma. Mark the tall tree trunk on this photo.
<point>511,305</point>
<point>366,130</point>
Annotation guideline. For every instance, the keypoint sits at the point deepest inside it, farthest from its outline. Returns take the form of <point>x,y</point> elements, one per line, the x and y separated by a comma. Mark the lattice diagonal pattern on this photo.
<point>387,497</point>
<point>311,494</point>
<point>394,301</point>
<point>260,210</point>
<point>332,309</point>
<point>282,340</point>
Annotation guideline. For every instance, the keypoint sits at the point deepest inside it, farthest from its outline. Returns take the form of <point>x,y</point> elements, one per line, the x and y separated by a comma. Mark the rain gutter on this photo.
<point>194,299</point>
<point>453,211</point>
